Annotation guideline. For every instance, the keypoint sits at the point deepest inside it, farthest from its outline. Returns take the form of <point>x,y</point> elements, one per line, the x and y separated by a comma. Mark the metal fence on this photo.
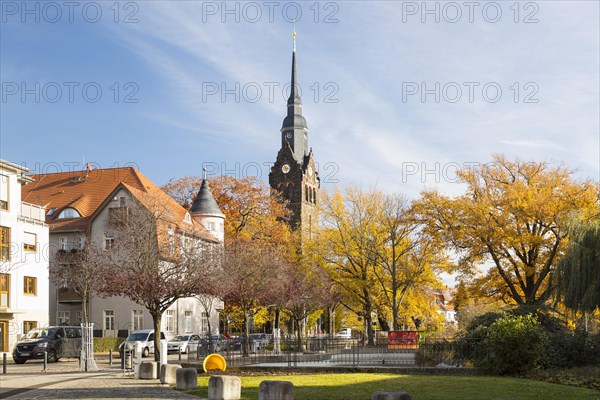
<point>330,351</point>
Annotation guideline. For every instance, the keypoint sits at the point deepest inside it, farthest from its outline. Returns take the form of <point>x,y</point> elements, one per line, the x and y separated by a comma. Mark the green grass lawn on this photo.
<point>360,386</point>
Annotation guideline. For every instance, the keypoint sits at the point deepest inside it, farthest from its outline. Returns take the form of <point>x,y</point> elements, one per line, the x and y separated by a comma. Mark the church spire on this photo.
<point>294,130</point>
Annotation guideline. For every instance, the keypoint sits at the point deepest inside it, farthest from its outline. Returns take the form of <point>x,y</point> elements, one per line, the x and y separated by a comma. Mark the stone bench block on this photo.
<point>186,378</point>
<point>148,370</point>
<point>276,390</point>
<point>224,387</point>
<point>389,395</point>
<point>168,373</point>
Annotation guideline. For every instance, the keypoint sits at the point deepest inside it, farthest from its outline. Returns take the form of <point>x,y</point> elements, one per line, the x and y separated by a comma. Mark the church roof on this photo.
<point>205,203</point>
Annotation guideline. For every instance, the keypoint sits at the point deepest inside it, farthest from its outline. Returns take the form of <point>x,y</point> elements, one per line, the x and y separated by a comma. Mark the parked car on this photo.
<point>57,341</point>
<point>262,340</point>
<point>344,333</point>
<point>146,336</point>
<point>256,341</point>
<point>219,342</point>
<point>184,342</point>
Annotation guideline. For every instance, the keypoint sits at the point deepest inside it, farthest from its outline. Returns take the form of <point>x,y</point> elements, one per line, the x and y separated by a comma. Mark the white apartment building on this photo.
<point>23,259</point>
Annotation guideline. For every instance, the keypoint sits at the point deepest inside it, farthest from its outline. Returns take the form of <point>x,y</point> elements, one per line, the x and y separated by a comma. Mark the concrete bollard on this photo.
<point>164,352</point>
<point>276,390</point>
<point>390,395</point>
<point>224,387</point>
<point>137,359</point>
<point>148,370</point>
<point>186,378</point>
<point>168,373</point>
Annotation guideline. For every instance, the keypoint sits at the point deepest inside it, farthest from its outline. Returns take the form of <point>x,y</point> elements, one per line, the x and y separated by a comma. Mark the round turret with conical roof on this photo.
<point>206,211</point>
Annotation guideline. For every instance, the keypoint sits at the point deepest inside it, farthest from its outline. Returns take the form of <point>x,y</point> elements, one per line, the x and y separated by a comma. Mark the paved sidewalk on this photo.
<point>67,383</point>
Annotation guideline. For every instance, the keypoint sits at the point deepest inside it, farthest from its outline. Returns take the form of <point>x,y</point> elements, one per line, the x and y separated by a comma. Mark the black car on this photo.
<point>57,341</point>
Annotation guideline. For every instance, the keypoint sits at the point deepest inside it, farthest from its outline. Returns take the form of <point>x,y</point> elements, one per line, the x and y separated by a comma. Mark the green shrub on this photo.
<point>103,344</point>
<point>499,343</point>
<point>515,345</point>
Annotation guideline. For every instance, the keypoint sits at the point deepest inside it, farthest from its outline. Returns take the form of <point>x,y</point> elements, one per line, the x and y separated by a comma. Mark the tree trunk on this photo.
<point>156,316</point>
<point>246,342</point>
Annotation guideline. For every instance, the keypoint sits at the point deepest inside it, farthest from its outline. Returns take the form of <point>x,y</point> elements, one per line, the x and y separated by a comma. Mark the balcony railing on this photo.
<point>72,247</point>
<point>32,213</point>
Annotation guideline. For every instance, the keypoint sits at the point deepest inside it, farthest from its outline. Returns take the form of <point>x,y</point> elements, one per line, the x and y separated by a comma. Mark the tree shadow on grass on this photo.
<point>430,387</point>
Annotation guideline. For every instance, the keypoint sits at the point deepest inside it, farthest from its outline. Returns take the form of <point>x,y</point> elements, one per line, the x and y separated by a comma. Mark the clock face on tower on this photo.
<point>288,135</point>
<point>285,168</point>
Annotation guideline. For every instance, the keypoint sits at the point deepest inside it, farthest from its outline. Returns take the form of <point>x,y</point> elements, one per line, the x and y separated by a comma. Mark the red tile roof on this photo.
<point>85,191</point>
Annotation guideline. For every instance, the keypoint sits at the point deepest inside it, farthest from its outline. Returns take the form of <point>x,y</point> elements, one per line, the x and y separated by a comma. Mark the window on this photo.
<point>68,213</point>
<point>73,333</point>
<point>62,243</point>
<point>51,211</point>
<point>4,290</point>
<point>137,319</point>
<point>210,226</point>
<point>30,285</point>
<point>80,317</point>
<point>170,320</point>
<point>109,241</point>
<point>3,192</point>
<point>187,321</point>
<point>29,241</point>
<point>122,201</point>
<point>29,325</point>
<point>109,320</point>
<point>64,318</point>
<point>204,323</point>
<point>5,250</point>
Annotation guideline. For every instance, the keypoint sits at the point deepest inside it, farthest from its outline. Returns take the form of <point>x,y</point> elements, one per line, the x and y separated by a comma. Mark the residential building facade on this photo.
<point>23,259</point>
<point>81,205</point>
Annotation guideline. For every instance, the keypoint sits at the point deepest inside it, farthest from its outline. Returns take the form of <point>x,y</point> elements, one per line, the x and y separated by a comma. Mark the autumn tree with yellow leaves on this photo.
<point>376,253</point>
<point>513,214</point>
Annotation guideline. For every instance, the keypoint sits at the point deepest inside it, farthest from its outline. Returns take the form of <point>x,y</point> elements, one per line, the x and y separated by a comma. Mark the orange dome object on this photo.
<point>214,362</point>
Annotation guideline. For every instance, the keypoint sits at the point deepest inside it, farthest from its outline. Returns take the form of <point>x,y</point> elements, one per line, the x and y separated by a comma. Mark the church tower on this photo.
<point>294,174</point>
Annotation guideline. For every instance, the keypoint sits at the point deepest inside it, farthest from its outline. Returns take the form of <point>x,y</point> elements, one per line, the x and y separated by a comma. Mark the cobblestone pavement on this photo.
<point>63,381</point>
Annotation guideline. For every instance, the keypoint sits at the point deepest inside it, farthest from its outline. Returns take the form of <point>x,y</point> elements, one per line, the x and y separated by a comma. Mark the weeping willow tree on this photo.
<point>579,271</point>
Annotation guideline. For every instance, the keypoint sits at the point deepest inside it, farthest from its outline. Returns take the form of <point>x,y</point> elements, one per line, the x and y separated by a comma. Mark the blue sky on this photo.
<point>180,81</point>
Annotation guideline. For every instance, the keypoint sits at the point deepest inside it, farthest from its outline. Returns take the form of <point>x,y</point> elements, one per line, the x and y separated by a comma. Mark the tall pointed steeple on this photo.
<point>294,174</point>
<point>294,129</point>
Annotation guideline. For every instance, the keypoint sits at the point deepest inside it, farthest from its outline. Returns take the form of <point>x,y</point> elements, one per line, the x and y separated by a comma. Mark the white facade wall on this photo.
<point>215,225</point>
<point>27,227</point>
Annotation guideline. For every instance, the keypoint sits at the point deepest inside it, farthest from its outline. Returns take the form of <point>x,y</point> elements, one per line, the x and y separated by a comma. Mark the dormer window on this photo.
<point>51,211</point>
<point>68,213</point>
<point>187,218</point>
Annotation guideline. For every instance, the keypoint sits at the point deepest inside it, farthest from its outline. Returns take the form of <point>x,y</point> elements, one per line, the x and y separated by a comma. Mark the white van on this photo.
<point>146,336</point>
<point>345,333</point>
